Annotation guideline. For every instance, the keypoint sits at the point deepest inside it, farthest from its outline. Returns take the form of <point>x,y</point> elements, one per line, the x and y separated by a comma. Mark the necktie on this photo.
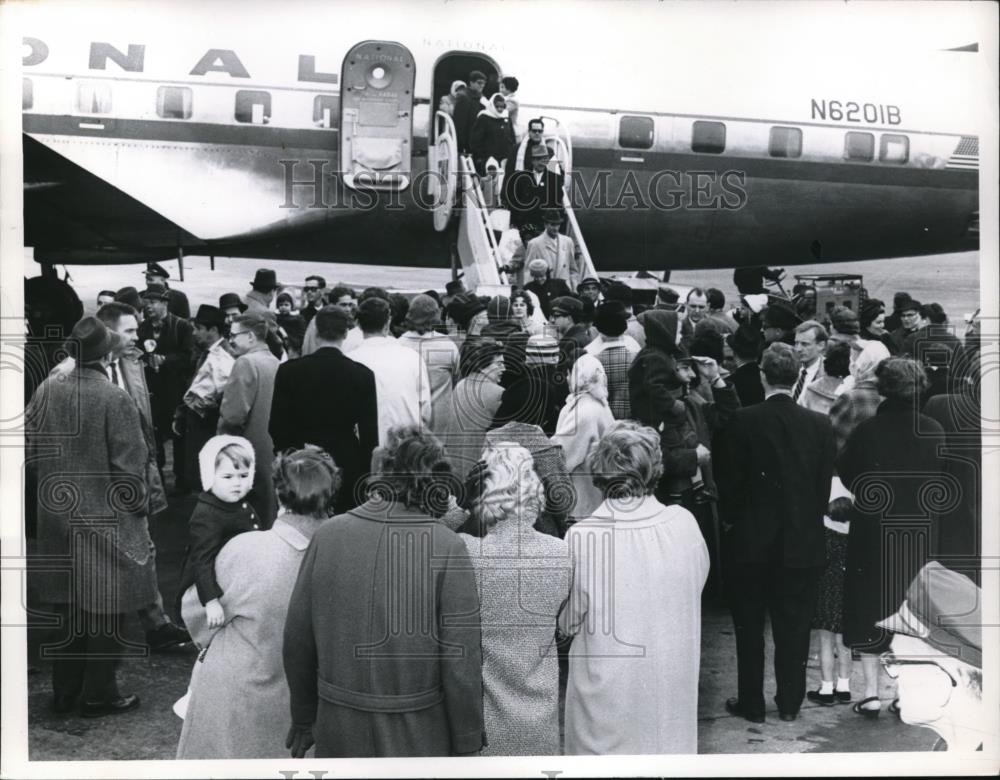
<point>114,373</point>
<point>799,385</point>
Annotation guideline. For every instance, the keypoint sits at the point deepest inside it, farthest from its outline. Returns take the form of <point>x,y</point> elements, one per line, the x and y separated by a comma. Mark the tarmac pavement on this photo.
<point>152,731</point>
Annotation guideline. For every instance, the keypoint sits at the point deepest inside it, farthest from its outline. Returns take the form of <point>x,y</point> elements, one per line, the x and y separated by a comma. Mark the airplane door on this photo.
<point>376,116</point>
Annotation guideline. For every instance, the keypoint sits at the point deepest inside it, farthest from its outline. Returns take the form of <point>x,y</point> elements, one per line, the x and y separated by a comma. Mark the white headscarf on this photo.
<point>454,87</point>
<point>864,365</point>
<point>491,109</point>
<point>588,378</point>
<point>208,454</point>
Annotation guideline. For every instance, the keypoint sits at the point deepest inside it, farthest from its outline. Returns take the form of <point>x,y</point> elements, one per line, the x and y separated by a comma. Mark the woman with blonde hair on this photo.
<point>635,609</point>
<point>523,578</point>
<point>582,422</point>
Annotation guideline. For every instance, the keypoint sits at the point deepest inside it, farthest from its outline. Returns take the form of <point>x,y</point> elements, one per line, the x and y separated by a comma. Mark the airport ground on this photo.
<point>152,731</point>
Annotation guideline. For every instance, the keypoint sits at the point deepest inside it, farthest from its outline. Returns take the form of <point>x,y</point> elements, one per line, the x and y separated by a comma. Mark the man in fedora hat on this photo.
<point>559,251</point>
<point>936,657</point>
<point>167,343</point>
<point>264,283</point>
<point>177,303</point>
<point>82,436</point>
<point>231,306</point>
<point>531,192</point>
<point>197,416</point>
<point>779,321</point>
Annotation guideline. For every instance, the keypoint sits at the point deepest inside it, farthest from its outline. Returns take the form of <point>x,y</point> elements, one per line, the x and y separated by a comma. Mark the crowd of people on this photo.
<point>409,508</point>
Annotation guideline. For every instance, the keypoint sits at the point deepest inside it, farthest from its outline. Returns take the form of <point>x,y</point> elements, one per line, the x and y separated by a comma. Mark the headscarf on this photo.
<point>208,454</point>
<point>864,365</point>
<point>491,109</point>
<point>588,378</point>
<point>454,87</point>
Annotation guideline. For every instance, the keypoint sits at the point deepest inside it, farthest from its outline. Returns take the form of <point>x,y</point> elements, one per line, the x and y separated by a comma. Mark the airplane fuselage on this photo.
<point>136,148</point>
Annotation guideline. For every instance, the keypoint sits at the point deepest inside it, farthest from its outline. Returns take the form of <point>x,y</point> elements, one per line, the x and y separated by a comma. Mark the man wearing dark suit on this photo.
<point>327,399</point>
<point>167,343</point>
<point>745,377</point>
<point>530,193</point>
<point>177,303</point>
<point>544,286</point>
<point>773,464</point>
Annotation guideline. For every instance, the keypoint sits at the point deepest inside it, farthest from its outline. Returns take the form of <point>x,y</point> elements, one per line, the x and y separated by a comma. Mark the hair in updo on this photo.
<point>510,487</point>
<point>627,461</point>
<point>413,469</point>
<point>306,481</point>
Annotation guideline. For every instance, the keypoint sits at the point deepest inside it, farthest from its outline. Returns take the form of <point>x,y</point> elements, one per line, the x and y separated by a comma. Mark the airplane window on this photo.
<point>635,132</point>
<point>93,97</point>
<point>785,142</point>
<point>859,146</point>
<point>173,102</point>
<point>27,94</point>
<point>326,111</point>
<point>253,106</point>
<point>894,148</point>
<point>708,137</point>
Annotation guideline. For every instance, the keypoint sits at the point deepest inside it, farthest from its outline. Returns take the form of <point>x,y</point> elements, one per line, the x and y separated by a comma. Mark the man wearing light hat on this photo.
<point>937,658</point>
<point>177,303</point>
<point>543,286</point>
<point>84,434</point>
<point>559,251</point>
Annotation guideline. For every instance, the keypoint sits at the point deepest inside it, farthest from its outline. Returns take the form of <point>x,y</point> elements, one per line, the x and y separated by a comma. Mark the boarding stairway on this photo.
<point>458,187</point>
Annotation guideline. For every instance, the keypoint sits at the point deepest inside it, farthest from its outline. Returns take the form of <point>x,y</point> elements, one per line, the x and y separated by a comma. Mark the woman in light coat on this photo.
<point>635,609</point>
<point>523,578</point>
<point>239,700</point>
<point>582,422</point>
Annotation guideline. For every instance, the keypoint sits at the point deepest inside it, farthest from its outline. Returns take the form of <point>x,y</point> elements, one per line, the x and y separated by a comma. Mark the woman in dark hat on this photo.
<point>873,325</point>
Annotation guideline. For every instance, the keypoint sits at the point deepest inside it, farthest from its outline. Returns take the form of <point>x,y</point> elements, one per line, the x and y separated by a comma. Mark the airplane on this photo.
<point>160,130</point>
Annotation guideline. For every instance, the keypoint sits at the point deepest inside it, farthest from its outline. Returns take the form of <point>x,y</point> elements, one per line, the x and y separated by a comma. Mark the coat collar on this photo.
<point>210,499</point>
<point>380,511</point>
<point>615,510</point>
<point>292,534</point>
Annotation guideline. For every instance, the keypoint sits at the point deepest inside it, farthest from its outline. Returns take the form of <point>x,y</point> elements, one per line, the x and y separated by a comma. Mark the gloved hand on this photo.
<point>299,739</point>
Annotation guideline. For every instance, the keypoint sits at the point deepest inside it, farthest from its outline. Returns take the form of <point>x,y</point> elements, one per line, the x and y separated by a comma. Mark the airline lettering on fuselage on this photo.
<point>133,61</point>
<point>850,111</point>
<point>380,57</point>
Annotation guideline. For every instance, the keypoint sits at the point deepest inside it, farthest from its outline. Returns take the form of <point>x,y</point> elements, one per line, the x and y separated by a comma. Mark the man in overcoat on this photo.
<point>93,534</point>
<point>343,419</point>
<point>246,405</point>
<point>773,464</point>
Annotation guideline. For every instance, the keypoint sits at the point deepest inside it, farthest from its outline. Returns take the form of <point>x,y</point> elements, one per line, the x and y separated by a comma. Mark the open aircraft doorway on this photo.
<point>376,116</point>
<point>443,148</point>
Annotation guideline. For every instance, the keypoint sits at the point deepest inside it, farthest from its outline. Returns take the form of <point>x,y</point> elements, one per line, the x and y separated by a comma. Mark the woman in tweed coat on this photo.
<point>523,578</point>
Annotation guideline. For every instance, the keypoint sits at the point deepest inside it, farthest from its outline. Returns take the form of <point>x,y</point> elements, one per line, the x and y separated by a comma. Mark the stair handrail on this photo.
<point>475,193</point>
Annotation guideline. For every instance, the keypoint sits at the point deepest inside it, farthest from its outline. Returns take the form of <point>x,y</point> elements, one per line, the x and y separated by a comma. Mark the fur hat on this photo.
<point>423,310</point>
<point>610,318</point>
